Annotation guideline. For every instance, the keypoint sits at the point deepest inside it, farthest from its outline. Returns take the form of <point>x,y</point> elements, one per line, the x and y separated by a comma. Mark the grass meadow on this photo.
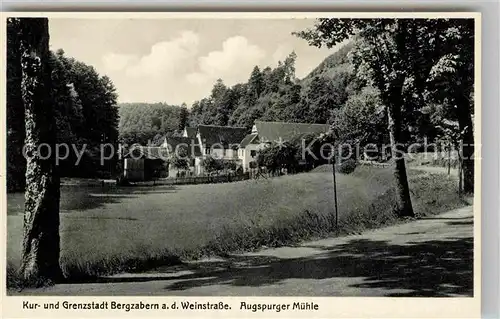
<point>109,230</point>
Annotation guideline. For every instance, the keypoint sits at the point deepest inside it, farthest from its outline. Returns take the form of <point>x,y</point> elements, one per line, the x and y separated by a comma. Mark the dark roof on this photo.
<point>276,131</point>
<point>223,135</point>
<point>190,144</point>
<point>191,132</point>
<point>249,139</point>
<point>148,152</point>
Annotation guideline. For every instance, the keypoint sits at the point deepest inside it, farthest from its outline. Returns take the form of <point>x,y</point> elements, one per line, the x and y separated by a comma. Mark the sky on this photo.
<point>179,60</point>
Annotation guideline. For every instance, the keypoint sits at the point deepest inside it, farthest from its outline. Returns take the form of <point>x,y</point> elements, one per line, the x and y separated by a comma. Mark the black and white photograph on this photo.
<point>242,156</point>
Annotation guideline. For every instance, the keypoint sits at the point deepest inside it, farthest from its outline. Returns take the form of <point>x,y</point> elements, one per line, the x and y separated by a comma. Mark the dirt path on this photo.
<point>427,257</point>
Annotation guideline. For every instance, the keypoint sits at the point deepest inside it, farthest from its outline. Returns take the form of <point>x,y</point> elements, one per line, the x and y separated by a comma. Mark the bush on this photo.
<point>276,157</point>
<point>346,167</point>
<point>239,170</point>
<point>227,164</point>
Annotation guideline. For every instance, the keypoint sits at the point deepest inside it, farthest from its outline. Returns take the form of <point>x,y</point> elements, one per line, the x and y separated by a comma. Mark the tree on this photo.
<point>16,163</point>
<point>86,114</point>
<point>84,106</point>
<point>158,139</point>
<point>136,121</point>
<point>362,121</point>
<point>451,83</point>
<point>41,243</point>
<point>323,95</point>
<point>180,160</point>
<point>228,165</point>
<point>70,122</point>
<point>450,134</point>
<point>222,103</point>
<point>212,165</point>
<point>183,117</point>
<point>255,85</point>
<point>276,156</point>
<point>228,103</point>
<point>388,51</point>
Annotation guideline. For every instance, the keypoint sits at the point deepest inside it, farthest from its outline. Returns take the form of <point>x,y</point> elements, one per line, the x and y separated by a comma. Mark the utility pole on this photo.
<point>332,159</point>
<point>449,158</point>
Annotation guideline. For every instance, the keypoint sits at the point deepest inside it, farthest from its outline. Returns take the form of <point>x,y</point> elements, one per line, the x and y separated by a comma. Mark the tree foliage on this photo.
<point>406,60</point>
<point>362,120</point>
<point>212,165</point>
<point>84,108</point>
<point>277,157</point>
<point>180,159</point>
<point>274,94</point>
<point>145,123</point>
<point>217,165</point>
<point>386,53</point>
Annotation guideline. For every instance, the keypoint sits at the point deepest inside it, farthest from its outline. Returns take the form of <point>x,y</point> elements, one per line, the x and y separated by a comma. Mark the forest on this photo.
<point>85,110</point>
<point>402,80</point>
<point>332,93</point>
<point>343,91</point>
<point>145,123</point>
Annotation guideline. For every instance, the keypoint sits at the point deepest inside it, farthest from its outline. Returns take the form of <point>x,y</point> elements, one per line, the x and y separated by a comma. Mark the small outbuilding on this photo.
<point>145,163</point>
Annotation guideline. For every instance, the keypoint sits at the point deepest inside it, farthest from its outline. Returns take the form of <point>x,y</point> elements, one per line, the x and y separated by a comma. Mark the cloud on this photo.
<point>233,63</point>
<point>117,62</point>
<point>160,74</point>
<point>281,53</point>
<point>167,56</point>
<point>176,71</point>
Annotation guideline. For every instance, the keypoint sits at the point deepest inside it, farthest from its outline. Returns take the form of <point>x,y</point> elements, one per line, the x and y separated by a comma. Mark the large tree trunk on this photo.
<point>465,125</point>
<point>16,164</point>
<point>403,201</point>
<point>40,255</point>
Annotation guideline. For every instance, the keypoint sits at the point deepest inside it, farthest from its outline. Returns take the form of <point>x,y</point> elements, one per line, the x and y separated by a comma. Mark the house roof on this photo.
<point>284,131</point>
<point>249,139</point>
<point>148,152</point>
<point>222,135</point>
<point>191,132</point>
<point>190,144</point>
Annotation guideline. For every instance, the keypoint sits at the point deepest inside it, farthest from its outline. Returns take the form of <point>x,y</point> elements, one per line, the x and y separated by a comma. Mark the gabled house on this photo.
<point>248,149</point>
<point>265,133</point>
<point>189,132</point>
<point>182,146</point>
<point>219,142</point>
<point>284,131</point>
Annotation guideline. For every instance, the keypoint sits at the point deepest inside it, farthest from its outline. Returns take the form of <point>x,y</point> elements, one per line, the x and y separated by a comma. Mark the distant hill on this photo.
<point>274,94</point>
<point>141,122</point>
<point>270,94</point>
<point>330,63</point>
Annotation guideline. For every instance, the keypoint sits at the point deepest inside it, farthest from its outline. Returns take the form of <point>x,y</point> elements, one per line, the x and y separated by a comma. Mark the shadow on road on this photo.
<point>433,268</point>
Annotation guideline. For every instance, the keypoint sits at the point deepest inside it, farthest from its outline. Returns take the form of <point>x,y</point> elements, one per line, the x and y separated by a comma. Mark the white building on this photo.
<point>265,133</point>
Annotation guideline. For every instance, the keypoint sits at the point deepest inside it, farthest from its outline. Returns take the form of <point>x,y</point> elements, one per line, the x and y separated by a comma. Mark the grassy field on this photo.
<point>108,230</point>
<point>437,159</point>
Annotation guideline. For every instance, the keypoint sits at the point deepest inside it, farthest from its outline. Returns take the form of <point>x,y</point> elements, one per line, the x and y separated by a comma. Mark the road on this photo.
<point>427,257</point>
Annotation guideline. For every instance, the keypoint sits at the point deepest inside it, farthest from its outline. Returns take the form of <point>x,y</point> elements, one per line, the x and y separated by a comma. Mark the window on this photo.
<point>253,153</point>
